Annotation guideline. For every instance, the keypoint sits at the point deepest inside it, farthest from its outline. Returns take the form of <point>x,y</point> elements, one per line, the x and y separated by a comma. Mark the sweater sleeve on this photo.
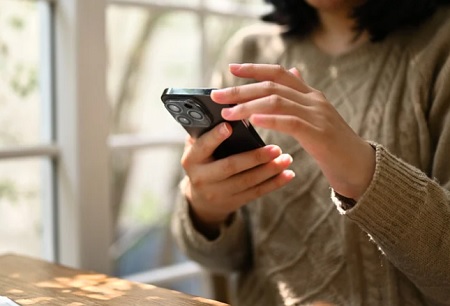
<point>407,212</point>
<point>226,253</point>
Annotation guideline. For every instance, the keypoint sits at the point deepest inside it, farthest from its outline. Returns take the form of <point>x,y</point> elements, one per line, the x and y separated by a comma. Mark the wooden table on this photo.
<point>30,281</point>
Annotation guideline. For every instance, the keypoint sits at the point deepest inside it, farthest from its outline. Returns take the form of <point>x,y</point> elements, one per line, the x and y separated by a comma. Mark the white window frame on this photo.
<point>82,130</point>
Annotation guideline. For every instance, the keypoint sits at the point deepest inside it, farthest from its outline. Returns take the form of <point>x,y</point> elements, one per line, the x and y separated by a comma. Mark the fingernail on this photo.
<point>289,173</point>
<point>216,94</point>
<point>218,90</point>
<point>226,112</point>
<point>224,130</point>
<point>234,68</point>
<point>287,158</point>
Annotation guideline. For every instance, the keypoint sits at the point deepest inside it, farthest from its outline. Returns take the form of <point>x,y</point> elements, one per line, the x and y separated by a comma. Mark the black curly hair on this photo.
<point>378,17</point>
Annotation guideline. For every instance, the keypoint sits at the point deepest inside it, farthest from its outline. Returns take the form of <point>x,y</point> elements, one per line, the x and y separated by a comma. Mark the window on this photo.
<point>54,157</point>
<point>88,156</point>
<point>27,151</point>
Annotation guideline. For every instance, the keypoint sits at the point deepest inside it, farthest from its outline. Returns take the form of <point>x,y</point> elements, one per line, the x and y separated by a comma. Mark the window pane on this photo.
<point>21,192</point>
<point>151,185</point>
<point>19,71</point>
<point>144,240</point>
<point>218,31</point>
<point>148,52</point>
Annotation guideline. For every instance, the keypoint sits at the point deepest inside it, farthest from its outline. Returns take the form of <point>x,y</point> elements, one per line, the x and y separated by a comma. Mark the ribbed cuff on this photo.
<point>228,231</point>
<point>391,204</point>
<point>343,204</point>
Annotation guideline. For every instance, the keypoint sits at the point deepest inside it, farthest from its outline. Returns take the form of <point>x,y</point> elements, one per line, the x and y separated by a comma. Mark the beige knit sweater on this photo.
<point>293,247</point>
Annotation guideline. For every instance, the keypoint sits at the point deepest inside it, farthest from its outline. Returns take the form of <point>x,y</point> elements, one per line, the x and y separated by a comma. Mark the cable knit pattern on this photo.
<point>293,247</point>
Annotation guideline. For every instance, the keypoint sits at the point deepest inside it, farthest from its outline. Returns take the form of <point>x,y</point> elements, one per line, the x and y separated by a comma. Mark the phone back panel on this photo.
<point>197,113</point>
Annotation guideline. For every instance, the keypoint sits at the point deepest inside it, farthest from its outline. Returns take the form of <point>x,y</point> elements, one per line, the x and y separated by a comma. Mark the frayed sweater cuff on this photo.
<point>391,202</point>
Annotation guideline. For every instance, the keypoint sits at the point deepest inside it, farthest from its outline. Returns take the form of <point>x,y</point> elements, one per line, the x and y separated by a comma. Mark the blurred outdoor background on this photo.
<point>57,108</point>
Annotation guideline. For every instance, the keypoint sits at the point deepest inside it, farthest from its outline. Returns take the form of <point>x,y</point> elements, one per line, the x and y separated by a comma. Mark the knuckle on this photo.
<point>210,197</point>
<point>274,102</point>
<point>196,181</point>
<point>259,190</point>
<point>185,160</point>
<point>269,86</point>
<point>259,156</point>
<point>278,182</point>
<point>247,181</point>
<point>318,96</point>
<point>228,166</point>
<point>295,125</point>
<point>234,91</point>
<point>207,143</point>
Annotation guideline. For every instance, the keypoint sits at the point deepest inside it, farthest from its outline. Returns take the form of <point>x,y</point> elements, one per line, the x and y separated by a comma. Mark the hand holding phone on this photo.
<point>197,113</point>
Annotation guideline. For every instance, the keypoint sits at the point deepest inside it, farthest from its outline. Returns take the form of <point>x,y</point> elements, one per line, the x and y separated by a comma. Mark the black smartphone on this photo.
<point>197,113</point>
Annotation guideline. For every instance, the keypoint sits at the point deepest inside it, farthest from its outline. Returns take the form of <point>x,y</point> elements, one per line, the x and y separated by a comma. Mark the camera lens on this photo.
<point>196,115</point>
<point>174,108</point>
<point>184,120</point>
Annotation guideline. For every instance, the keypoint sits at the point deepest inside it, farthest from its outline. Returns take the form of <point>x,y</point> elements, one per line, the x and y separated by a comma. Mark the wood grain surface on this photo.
<point>29,281</point>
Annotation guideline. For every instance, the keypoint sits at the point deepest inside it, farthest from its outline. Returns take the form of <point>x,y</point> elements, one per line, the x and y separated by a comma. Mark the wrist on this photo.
<point>207,224</point>
<point>368,169</point>
<point>357,175</point>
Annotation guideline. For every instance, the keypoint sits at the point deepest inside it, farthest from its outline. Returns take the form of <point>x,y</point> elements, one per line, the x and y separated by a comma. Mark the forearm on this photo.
<point>407,214</point>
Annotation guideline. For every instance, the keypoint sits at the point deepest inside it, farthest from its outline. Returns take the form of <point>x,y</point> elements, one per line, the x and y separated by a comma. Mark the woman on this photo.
<point>364,111</point>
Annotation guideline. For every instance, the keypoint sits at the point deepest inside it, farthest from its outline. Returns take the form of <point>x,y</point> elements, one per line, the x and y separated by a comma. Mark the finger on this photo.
<point>273,104</point>
<point>248,92</point>
<point>225,168</point>
<point>258,175</point>
<point>247,181</point>
<point>266,187</point>
<point>203,147</point>
<point>266,72</point>
<point>297,73</point>
<point>285,124</point>
<point>188,141</point>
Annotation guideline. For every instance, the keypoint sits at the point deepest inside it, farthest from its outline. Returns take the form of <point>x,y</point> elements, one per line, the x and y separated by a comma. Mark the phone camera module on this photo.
<point>183,120</point>
<point>188,104</point>
<point>174,108</point>
<point>195,115</point>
